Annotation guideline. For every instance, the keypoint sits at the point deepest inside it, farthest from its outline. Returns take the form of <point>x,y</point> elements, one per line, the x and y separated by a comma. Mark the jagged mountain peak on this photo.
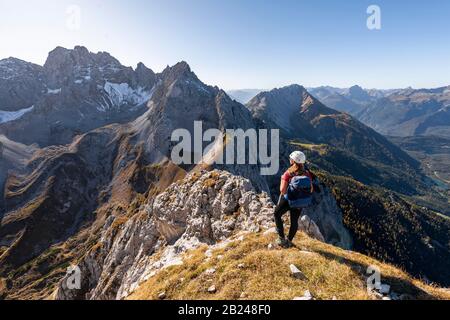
<point>142,67</point>
<point>281,105</point>
<point>64,64</point>
<point>181,66</point>
<point>145,76</point>
<point>78,56</point>
<point>180,70</point>
<point>60,55</point>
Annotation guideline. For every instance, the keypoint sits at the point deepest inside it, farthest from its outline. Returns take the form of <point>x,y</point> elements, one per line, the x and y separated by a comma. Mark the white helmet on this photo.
<point>298,157</point>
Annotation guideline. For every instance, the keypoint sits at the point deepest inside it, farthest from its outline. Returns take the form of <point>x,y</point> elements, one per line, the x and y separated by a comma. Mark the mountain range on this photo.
<point>87,177</point>
<point>74,92</point>
<point>401,112</point>
<point>404,115</point>
<point>392,112</point>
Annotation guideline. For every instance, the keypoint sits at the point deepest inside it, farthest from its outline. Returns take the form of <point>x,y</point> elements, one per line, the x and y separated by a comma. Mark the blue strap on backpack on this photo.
<point>299,193</point>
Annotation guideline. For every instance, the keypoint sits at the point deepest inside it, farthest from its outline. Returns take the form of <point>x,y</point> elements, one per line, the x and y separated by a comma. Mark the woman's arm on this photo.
<point>283,187</point>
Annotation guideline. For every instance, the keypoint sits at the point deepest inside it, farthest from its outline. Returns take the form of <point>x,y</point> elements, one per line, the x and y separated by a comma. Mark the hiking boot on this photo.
<point>290,244</point>
<point>283,243</point>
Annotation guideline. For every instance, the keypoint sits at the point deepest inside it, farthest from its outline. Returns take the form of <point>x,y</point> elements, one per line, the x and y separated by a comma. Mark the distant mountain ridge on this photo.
<point>397,112</point>
<point>243,95</point>
<point>298,113</point>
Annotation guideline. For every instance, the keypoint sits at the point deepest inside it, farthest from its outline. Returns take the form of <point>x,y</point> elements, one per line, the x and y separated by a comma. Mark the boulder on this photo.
<point>162,296</point>
<point>212,289</point>
<point>296,273</point>
<point>306,296</point>
<point>308,226</point>
<point>210,271</point>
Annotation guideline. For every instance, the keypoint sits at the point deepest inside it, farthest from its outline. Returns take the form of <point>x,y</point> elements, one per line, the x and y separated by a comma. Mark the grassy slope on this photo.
<point>331,273</point>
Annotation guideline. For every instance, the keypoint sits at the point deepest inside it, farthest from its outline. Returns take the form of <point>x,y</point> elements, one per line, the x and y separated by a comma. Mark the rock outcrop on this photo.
<point>324,220</point>
<point>204,208</point>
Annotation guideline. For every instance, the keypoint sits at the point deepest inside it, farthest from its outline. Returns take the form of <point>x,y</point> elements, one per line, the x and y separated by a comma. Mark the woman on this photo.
<point>298,168</point>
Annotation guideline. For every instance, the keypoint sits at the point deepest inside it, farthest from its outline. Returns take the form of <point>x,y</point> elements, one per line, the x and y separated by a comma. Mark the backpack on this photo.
<point>299,193</point>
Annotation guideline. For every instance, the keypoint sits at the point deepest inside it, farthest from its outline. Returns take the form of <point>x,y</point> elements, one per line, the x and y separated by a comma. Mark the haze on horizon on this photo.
<point>246,44</point>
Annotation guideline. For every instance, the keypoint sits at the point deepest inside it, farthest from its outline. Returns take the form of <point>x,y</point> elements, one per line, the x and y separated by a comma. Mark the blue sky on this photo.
<point>247,43</point>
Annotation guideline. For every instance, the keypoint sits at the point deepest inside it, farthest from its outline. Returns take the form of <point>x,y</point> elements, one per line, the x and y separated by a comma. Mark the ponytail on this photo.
<point>296,168</point>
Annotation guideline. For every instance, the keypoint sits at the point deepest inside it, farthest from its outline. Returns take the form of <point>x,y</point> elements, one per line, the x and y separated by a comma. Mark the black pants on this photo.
<point>280,210</point>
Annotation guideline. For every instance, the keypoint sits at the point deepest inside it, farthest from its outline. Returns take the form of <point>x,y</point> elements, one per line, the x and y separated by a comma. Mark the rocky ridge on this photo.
<point>205,208</point>
<point>202,209</point>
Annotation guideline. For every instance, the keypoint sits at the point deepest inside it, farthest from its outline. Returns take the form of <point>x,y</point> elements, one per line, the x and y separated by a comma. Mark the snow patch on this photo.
<point>121,94</point>
<point>54,91</point>
<point>7,116</point>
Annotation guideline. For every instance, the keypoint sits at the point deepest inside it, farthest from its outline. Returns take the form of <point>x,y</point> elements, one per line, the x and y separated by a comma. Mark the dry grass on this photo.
<point>210,183</point>
<point>119,221</point>
<point>319,148</point>
<point>330,272</point>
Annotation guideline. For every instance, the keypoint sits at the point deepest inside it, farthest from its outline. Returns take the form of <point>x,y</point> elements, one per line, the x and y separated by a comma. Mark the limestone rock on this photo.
<point>310,228</point>
<point>188,214</point>
<point>307,296</point>
<point>210,271</point>
<point>296,273</point>
<point>162,296</point>
<point>212,289</point>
